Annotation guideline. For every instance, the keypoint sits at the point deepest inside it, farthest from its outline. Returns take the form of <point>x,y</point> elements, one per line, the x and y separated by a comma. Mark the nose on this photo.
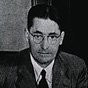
<point>44,44</point>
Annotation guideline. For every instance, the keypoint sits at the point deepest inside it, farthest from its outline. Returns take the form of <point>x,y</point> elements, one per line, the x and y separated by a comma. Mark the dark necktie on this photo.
<point>43,83</point>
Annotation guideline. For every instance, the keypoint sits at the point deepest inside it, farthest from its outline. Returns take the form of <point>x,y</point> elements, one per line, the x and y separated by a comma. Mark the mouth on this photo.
<point>44,54</point>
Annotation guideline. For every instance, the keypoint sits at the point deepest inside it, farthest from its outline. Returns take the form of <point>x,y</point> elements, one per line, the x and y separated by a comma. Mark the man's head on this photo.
<point>44,33</point>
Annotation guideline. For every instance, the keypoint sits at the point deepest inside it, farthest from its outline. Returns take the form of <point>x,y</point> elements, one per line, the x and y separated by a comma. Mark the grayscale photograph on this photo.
<point>42,44</point>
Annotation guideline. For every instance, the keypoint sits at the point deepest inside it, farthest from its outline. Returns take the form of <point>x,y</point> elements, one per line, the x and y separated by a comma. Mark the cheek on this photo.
<point>34,47</point>
<point>55,46</point>
<point>54,49</point>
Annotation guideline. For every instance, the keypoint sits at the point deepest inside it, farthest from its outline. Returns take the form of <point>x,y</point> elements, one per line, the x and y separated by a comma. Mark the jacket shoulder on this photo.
<point>74,62</point>
<point>72,58</point>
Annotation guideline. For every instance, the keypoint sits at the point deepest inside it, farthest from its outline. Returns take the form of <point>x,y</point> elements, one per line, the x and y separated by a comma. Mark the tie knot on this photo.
<point>43,73</point>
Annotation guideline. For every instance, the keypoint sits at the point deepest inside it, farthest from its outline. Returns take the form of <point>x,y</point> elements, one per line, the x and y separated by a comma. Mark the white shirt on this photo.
<point>38,69</point>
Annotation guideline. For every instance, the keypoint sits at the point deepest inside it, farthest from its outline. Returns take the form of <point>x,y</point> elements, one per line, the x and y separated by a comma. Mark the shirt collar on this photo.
<point>38,69</point>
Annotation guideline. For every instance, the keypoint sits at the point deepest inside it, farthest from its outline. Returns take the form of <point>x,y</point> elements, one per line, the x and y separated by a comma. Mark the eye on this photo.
<point>53,36</point>
<point>37,36</point>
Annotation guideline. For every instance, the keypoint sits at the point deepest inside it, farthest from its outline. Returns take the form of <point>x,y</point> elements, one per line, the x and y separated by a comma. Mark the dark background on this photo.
<point>74,21</point>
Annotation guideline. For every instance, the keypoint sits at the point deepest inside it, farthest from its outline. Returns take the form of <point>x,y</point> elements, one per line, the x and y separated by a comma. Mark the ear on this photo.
<point>26,34</point>
<point>62,37</point>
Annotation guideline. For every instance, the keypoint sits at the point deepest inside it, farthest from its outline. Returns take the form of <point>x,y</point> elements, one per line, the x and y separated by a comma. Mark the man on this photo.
<point>43,65</point>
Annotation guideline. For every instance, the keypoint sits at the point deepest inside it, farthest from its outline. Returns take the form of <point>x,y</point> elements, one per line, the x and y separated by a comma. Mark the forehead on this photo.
<point>44,26</point>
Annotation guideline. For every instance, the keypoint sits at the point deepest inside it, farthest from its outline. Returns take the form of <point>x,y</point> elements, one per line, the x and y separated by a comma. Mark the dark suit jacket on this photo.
<point>69,71</point>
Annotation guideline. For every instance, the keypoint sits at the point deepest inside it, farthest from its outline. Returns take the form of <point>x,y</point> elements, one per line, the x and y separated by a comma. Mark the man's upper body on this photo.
<point>44,35</point>
<point>69,71</point>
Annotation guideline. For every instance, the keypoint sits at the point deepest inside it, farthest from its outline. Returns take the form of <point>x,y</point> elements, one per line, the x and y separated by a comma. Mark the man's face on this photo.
<point>44,40</point>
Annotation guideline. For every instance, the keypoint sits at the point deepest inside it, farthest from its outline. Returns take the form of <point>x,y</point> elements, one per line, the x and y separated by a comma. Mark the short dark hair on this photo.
<point>43,11</point>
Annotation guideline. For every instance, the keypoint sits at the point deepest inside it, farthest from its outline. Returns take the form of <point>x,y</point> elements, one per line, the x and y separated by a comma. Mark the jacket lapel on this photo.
<point>60,74</point>
<point>26,76</point>
<point>56,74</point>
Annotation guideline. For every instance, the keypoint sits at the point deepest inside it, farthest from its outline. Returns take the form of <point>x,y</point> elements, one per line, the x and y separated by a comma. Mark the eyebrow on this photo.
<point>38,32</point>
<point>52,33</point>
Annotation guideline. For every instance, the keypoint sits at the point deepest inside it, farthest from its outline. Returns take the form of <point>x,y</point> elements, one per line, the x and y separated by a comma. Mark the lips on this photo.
<point>44,54</point>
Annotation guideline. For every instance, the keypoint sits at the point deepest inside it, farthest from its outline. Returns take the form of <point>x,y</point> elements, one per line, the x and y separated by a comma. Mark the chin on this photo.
<point>45,60</point>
